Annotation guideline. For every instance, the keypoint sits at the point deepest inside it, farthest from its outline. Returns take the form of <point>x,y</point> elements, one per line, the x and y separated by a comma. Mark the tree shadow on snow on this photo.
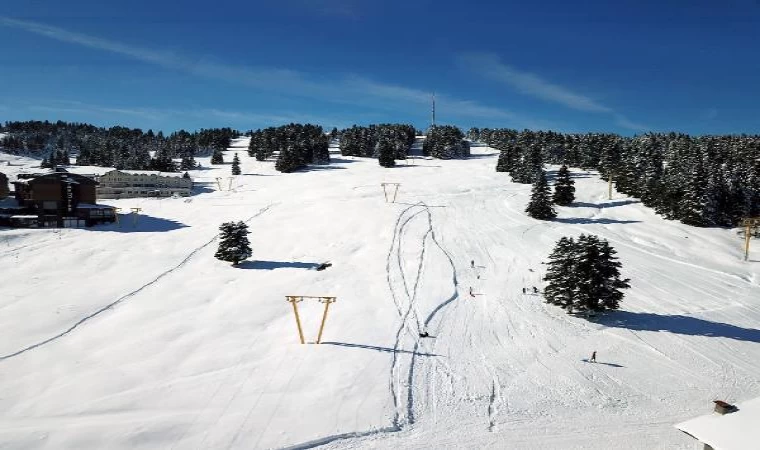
<point>686,325</point>
<point>604,205</point>
<point>584,220</point>
<point>145,224</point>
<point>376,348</point>
<point>272,265</point>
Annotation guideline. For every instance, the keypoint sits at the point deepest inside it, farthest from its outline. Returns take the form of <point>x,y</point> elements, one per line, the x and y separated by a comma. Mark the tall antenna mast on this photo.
<point>433,111</point>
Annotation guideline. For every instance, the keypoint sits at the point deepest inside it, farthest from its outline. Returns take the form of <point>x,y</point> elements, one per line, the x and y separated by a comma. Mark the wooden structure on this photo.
<point>61,199</point>
<point>4,190</point>
<point>750,224</point>
<point>295,299</point>
<point>386,191</point>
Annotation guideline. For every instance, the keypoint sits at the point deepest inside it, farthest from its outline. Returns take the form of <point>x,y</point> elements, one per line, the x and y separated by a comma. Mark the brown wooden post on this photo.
<point>326,301</point>
<point>747,237</point>
<point>293,300</point>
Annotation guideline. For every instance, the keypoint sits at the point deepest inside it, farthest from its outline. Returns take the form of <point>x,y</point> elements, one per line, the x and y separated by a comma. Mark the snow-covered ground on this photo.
<point>196,354</point>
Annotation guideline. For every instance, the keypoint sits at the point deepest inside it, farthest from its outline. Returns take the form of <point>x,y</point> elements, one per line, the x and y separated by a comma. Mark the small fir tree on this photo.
<point>236,165</point>
<point>564,189</point>
<point>233,243</point>
<point>540,205</point>
<point>217,157</point>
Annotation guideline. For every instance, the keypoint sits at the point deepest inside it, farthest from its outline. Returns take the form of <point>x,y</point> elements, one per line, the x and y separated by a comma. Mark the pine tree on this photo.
<point>236,165</point>
<point>540,205</point>
<point>386,152</point>
<point>584,275</point>
<point>217,157</point>
<point>598,276</point>
<point>187,163</point>
<point>560,276</point>
<point>233,243</point>
<point>564,189</point>
<point>186,176</point>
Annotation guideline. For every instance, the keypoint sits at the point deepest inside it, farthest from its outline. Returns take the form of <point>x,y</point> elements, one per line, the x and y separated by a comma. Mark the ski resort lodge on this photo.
<point>55,200</point>
<point>131,184</point>
<point>728,428</point>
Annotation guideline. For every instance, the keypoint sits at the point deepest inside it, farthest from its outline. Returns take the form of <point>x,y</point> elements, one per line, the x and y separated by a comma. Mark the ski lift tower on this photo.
<point>432,113</point>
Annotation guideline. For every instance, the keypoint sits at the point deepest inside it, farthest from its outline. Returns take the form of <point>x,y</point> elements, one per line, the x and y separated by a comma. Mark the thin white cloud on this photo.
<point>631,125</point>
<point>490,66</point>
<point>345,88</point>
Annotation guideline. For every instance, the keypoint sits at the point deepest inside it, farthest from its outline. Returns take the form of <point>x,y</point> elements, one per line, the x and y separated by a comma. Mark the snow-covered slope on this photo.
<point>196,354</point>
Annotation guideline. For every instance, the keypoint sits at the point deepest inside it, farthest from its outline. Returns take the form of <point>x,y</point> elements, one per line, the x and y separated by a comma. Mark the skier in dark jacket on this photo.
<point>593,356</point>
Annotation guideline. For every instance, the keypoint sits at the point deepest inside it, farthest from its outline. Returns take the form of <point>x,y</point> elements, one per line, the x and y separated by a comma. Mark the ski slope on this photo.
<point>135,337</point>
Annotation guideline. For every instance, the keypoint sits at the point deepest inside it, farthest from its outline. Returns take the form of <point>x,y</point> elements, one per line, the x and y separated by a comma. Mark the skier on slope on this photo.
<point>472,263</point>
<point>593,357</point>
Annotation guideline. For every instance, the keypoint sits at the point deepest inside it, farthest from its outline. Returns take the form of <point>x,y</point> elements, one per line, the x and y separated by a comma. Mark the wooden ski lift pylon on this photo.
<point>295,299</point>
<point>219,183</point>
<point>749,223</point>
<point>386,193</point>
<point>134,215</point>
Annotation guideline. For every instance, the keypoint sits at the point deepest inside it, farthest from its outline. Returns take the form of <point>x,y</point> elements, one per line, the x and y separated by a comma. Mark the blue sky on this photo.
<point>620,66</point>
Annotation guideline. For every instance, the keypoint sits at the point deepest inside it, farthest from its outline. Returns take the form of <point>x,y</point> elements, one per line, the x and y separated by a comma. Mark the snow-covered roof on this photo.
<point>152,172</point>
<point>736,430</point>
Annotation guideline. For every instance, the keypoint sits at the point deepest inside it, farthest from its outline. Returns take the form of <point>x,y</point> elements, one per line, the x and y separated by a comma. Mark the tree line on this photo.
<point>699,180</point>
<point>386,142</point>
<point>120,147</point>
<point>295,145</point>
<point>445,142</point>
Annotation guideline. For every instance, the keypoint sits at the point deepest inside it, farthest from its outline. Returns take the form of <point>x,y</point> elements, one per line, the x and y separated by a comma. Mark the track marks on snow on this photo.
<point>125,297</point>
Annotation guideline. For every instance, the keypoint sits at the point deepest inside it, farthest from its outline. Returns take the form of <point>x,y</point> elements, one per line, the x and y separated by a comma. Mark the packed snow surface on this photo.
<point>135,337</point>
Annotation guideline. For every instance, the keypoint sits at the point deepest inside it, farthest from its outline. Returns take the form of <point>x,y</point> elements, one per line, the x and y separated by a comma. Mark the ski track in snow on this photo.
<point>121,299</point>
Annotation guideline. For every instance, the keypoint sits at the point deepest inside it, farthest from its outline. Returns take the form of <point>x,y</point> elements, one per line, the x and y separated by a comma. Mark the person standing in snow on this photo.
<point>593,356</point>
<point>472,263</point>
<point>535,290</point>
<point>523,290</point>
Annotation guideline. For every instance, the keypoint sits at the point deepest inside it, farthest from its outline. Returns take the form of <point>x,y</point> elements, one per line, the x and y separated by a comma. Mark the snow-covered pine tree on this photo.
<point>540,205</point>
<point>217,157</point>
<point>598,276</point>
<point>233,242</point>
<point>560,275</point>
<point>187,162</point>
<point>564,189</point>
<point>236,165</point>
<point>386,152</point>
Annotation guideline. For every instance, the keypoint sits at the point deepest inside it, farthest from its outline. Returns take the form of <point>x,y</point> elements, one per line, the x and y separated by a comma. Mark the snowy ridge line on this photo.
<point>90,316</point>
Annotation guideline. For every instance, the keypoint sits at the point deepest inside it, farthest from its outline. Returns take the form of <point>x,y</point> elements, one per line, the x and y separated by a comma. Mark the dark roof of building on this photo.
<point>59,176</point>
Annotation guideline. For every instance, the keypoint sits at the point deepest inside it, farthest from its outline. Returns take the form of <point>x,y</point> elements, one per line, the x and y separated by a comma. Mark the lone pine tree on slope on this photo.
<point>233,243</point>
<point>540,205</point>
<point>584,275</point>
<point>564,189</point>
<point>236,165</point>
